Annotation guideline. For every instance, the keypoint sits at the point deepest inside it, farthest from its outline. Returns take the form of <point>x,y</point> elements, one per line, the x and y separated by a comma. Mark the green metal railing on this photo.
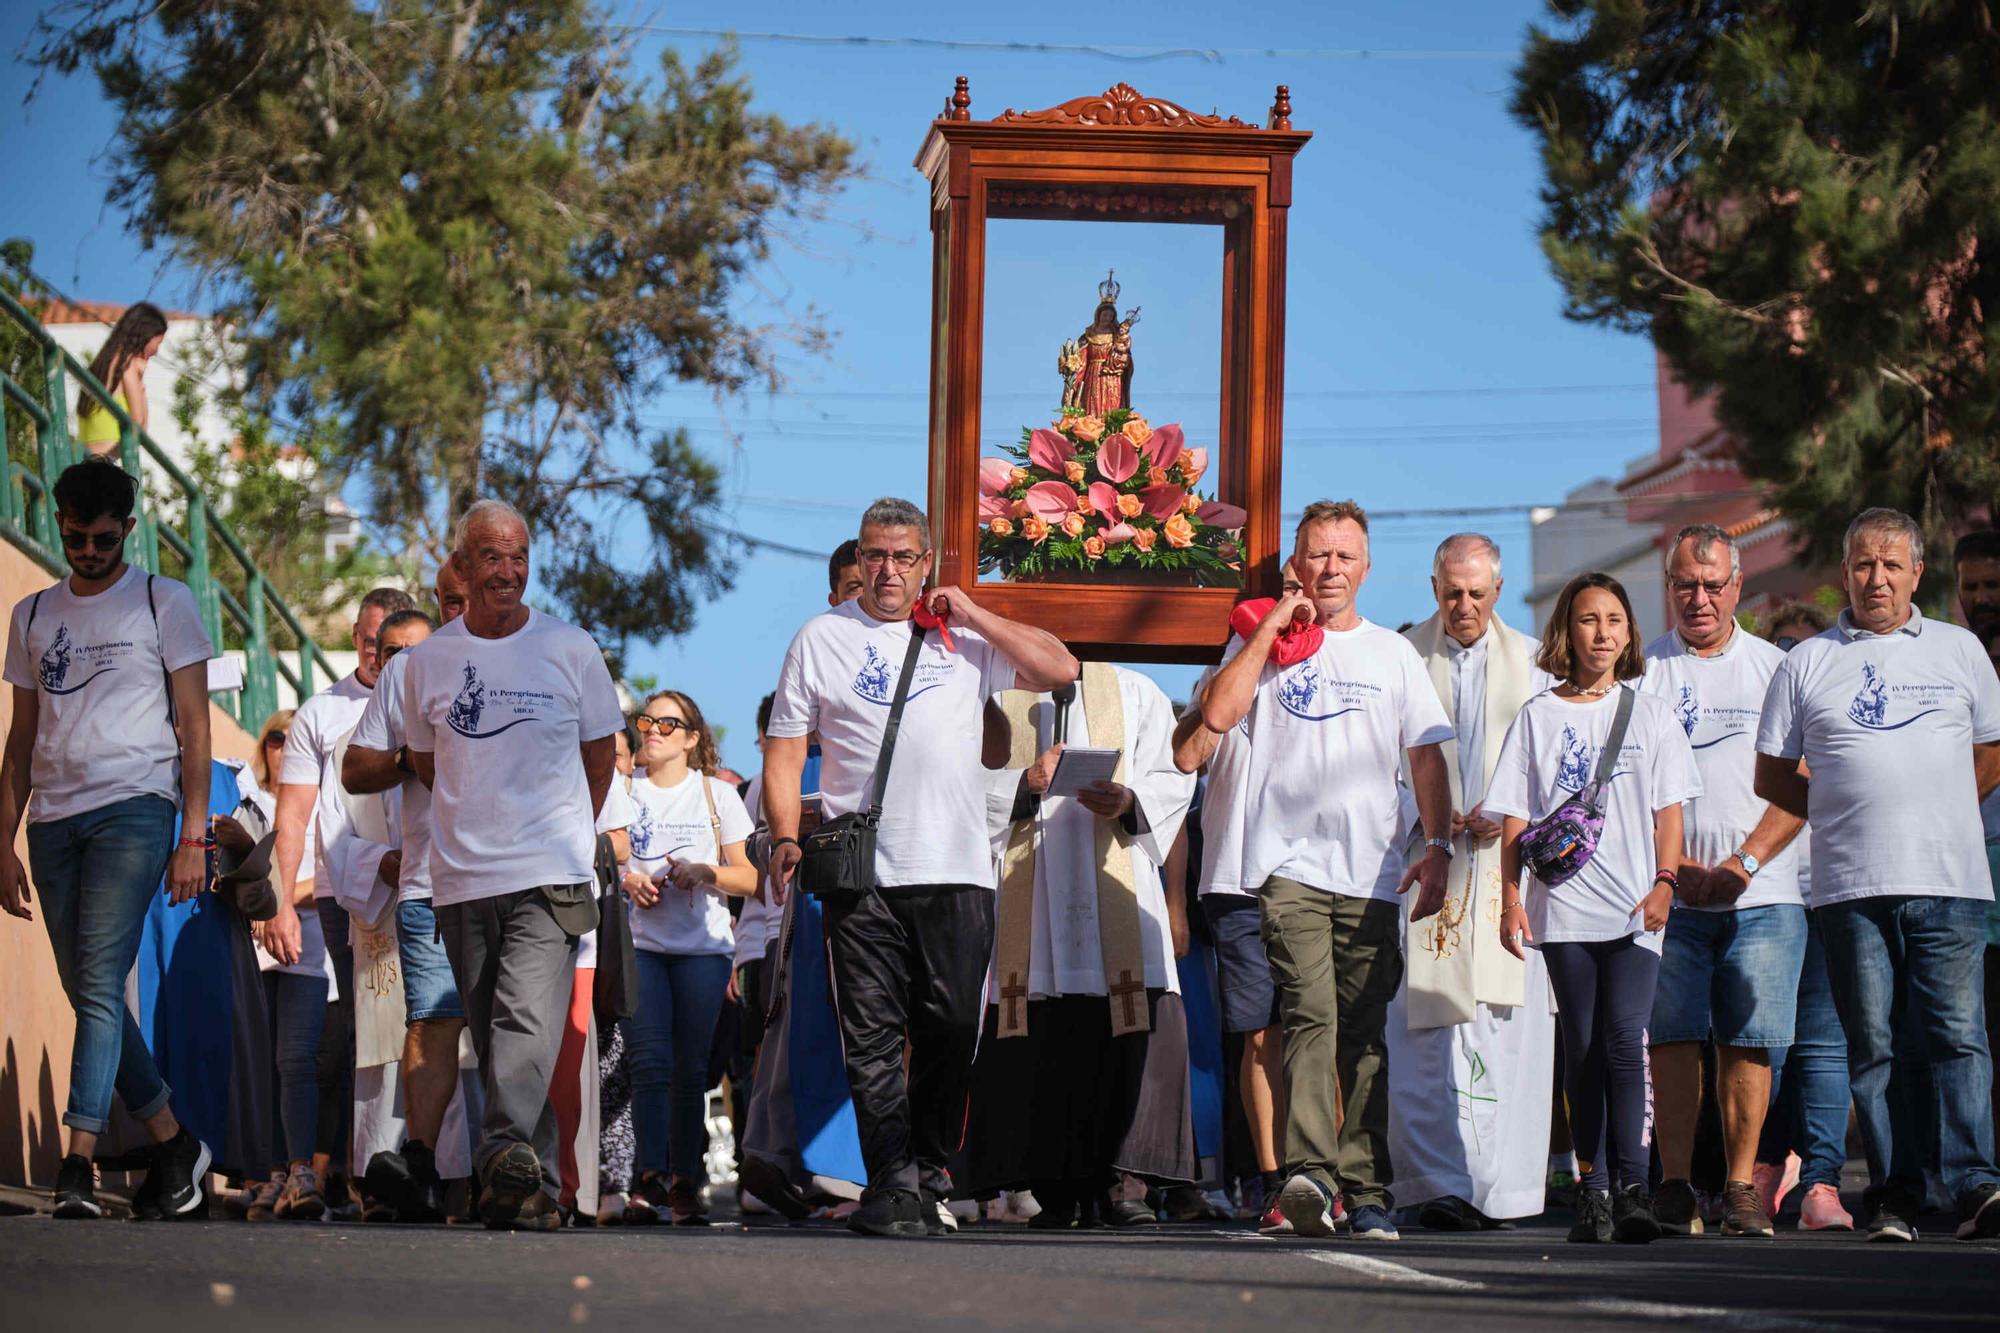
<point>28,520</point>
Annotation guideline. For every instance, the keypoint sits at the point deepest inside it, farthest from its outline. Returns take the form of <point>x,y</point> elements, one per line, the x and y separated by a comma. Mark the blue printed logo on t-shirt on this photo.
<point>470,703</point>
<point>1870,706</point>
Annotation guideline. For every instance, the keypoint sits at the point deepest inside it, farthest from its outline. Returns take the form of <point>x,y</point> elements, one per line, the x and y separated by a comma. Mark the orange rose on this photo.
<point>1130,506</point>
<point>1087,429</point>
<point>1156,476</point>
<point>1034,530</point>
<point>1000,527</point>
<point>1072,525</point>
<point>1018,477</point>
<point>1143,539</point>
<point>1180,532</point>
<point>1074,471</point>
<point>1020,509</point>
<point>1093,547</point>
<point>1191,505</point>
<point>1136,430</point>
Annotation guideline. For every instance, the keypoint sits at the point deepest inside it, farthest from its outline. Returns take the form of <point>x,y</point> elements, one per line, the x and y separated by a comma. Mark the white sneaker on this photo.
<point>1307,1205</point>
<point>946,1218</point>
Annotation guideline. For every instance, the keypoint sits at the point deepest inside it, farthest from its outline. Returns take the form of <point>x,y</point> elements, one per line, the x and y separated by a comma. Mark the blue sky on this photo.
<point>1428,363</point>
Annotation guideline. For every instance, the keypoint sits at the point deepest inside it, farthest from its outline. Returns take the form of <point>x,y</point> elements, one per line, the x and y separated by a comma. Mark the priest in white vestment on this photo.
<point>1082,1072</point>
<point>1471,1031</point>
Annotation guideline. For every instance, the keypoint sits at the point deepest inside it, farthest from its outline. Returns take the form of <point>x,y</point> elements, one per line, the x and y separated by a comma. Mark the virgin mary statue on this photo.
<point>1097,367</point>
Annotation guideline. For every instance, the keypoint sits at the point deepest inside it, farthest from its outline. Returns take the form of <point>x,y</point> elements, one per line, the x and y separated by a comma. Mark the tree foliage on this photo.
<point>1801,204</point>
<point>471,239</point>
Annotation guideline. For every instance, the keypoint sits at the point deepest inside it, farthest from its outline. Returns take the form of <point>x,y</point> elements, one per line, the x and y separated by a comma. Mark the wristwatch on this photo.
<point>403,763</point>
<point>1750,863</point>
<point>1442,844</point>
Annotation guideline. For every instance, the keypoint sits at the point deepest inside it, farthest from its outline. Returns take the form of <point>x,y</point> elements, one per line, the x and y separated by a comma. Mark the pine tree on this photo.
<point>1801,205</point>
<point>463,242</point>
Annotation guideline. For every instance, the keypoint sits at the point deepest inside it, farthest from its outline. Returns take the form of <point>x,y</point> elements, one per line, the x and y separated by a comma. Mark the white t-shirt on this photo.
<point>381,728</point>
<point>309,743</point>
<point>1717,701</point>
<point>1549,755</point>
<point>1327,739</point>
<point>99,668</point>
<point>672,824</point>
<point>760,920</point>
<point>313,961</point>
<point>1222,806</point>
<point>1886,724</point>
<point>504,719</point>
<point>839,677</point>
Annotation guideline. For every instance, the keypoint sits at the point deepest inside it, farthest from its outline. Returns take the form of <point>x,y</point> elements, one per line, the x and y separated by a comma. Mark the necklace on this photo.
<point>1594,694</point>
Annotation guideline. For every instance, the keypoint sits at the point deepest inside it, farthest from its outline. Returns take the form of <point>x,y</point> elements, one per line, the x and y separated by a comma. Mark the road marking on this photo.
<point>1745,1319</point>
<point>1384,1271</point>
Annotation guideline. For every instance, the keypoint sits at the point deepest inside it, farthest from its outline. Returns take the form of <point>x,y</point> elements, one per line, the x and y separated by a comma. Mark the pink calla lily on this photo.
<point>1117,533</point>
<point>1117,460</point>
<point>1050,500</point>
<point>1223,515</point>
<point>1165,448</point>
<point>1162,502</point>
<point>1104,499</point>
<point>994,474</point>
<point>994,506</point>
<point>1046,449</point>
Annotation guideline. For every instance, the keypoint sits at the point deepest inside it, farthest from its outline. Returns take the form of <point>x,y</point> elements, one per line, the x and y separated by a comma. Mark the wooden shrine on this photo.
<point>1117,156</point>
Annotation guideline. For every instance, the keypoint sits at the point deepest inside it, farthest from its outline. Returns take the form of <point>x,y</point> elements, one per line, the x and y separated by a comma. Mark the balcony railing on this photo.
<point>28,520</point>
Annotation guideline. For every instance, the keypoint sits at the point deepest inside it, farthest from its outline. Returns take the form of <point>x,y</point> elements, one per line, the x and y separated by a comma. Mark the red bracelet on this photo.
<point>194,842</point>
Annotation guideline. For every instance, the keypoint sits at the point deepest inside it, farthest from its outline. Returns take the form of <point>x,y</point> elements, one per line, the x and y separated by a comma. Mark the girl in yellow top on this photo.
<point>121,367</point>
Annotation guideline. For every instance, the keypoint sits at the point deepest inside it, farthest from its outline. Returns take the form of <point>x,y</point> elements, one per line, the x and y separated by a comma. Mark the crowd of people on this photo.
<point>1476,917</point>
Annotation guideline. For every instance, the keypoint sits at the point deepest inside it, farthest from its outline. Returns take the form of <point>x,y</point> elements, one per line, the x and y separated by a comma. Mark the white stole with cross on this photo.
<point>1125,913</point>
<point>1454,960</point>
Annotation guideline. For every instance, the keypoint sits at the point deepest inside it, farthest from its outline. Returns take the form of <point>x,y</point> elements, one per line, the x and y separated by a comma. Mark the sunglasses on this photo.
<point>274,738</point>
<point>96,541</point>
<point>666,726</point>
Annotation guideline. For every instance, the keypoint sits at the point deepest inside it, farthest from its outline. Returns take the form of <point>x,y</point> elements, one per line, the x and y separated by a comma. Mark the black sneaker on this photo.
<point>1979,1213</point>
<point>1451,1213</point>
<point>890,1212</point>
<point>387,1186</point>
<point>1593,1216</point>
<point>146,1199</point>
<point>513,1177</point>
<point>1122,1213</point>
<point>931,1206</point>
<point>1632,1219</point>
<point>1893,1222</point>
<point>424,1203</point>
<point>773,1186</point>
<point>179,1164</point>
<point>76,1189</point>
<point>1677,1209</point>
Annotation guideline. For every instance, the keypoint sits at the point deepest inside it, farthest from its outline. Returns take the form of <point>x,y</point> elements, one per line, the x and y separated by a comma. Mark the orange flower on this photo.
<point>1017,477</point>
<point>1087,429</point>
<point>1073,525</point>
<point>1034,530</point>
<point>1156,476</point>
<point>1136,430</point>
<point>1093,547</point>
<point>1020,509</point>
<point>1130,506</point>
<point>1191,505</point>
<point>1143,539</point>
<point>1180,532</point>
<point>1074,471</point>
<point>1000,527</point>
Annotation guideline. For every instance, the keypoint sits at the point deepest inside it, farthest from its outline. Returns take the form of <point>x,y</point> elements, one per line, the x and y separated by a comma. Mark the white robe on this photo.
<point>1065,957</point>
<point>1469,1103</point>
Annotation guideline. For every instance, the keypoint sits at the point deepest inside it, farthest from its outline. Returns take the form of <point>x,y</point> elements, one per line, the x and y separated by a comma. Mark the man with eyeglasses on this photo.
<point>909,959</point>
<point>102,664</point>
<point>1736,938</point>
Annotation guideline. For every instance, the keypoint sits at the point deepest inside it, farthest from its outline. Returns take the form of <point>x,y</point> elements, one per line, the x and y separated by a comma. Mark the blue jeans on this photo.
<point>429,989</point>
<point>667,1041</point>
<point>298,1014</point>
<point>1927,953</point>
<point>96,873</point>
<point>1809,1081</point>
<point>1733,976</point>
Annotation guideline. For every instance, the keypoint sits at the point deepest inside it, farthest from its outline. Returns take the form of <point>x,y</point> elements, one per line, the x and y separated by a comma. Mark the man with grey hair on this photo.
<point>1897,719</point>
<point>509,717</point>
<point>1736,939</point>
<point>909,959</point>
<point>1471,1033</point>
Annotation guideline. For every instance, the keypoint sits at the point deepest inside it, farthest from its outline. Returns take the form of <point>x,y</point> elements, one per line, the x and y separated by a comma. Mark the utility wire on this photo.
<point>1214,55</point>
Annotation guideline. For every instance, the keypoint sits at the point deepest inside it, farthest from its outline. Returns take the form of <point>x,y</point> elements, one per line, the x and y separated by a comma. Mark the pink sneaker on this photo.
<point>1820,1210</point>
<point>1775,1182</point>
<point>1274,1222</point>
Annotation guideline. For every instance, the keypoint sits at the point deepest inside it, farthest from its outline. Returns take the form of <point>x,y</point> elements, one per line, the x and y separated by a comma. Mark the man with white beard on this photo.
<point>1472,1030</point>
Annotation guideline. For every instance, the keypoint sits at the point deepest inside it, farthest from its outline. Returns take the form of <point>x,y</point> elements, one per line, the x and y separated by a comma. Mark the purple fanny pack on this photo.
<point>1562,842</point>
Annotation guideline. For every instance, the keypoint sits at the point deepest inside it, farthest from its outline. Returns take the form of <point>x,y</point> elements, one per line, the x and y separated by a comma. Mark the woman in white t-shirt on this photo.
<point>1600,930</point>
<point>687,853</point>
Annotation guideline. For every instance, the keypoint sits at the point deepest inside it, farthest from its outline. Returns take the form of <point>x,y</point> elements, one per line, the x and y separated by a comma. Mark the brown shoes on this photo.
<point>1743,1211</point>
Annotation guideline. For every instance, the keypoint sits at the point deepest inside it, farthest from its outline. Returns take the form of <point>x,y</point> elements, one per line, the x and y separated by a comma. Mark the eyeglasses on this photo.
<point>96,541</point>
<point>666,726</point>
<point>874,557</point>
<point>1686,587</point>
<point>274,738</point>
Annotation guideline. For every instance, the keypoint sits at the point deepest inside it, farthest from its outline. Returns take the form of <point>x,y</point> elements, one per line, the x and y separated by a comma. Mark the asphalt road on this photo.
<point>300,1277</point>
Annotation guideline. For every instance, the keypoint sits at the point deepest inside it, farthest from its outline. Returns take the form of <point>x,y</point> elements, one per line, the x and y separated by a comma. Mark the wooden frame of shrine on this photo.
<point>1117,156</point>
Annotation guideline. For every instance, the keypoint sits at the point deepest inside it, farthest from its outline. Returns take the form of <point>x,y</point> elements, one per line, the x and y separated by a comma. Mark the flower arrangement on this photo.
<point>1091,494</point>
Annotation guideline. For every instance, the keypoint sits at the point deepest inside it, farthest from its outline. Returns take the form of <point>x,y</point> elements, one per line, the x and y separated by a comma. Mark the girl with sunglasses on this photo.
<point>687,853</point>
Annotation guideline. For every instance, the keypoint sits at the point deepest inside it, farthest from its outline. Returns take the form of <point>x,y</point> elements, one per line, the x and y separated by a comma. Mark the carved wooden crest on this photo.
<point>1123,105</point>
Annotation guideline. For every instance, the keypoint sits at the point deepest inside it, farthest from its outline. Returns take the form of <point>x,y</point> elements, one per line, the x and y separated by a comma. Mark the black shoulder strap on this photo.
<point>895,719</point>
<point>1614,744</point>
<point>33,606</point>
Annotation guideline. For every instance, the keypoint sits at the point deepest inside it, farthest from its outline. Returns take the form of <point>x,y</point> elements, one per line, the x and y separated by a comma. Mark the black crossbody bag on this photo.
<point>837,859</point>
